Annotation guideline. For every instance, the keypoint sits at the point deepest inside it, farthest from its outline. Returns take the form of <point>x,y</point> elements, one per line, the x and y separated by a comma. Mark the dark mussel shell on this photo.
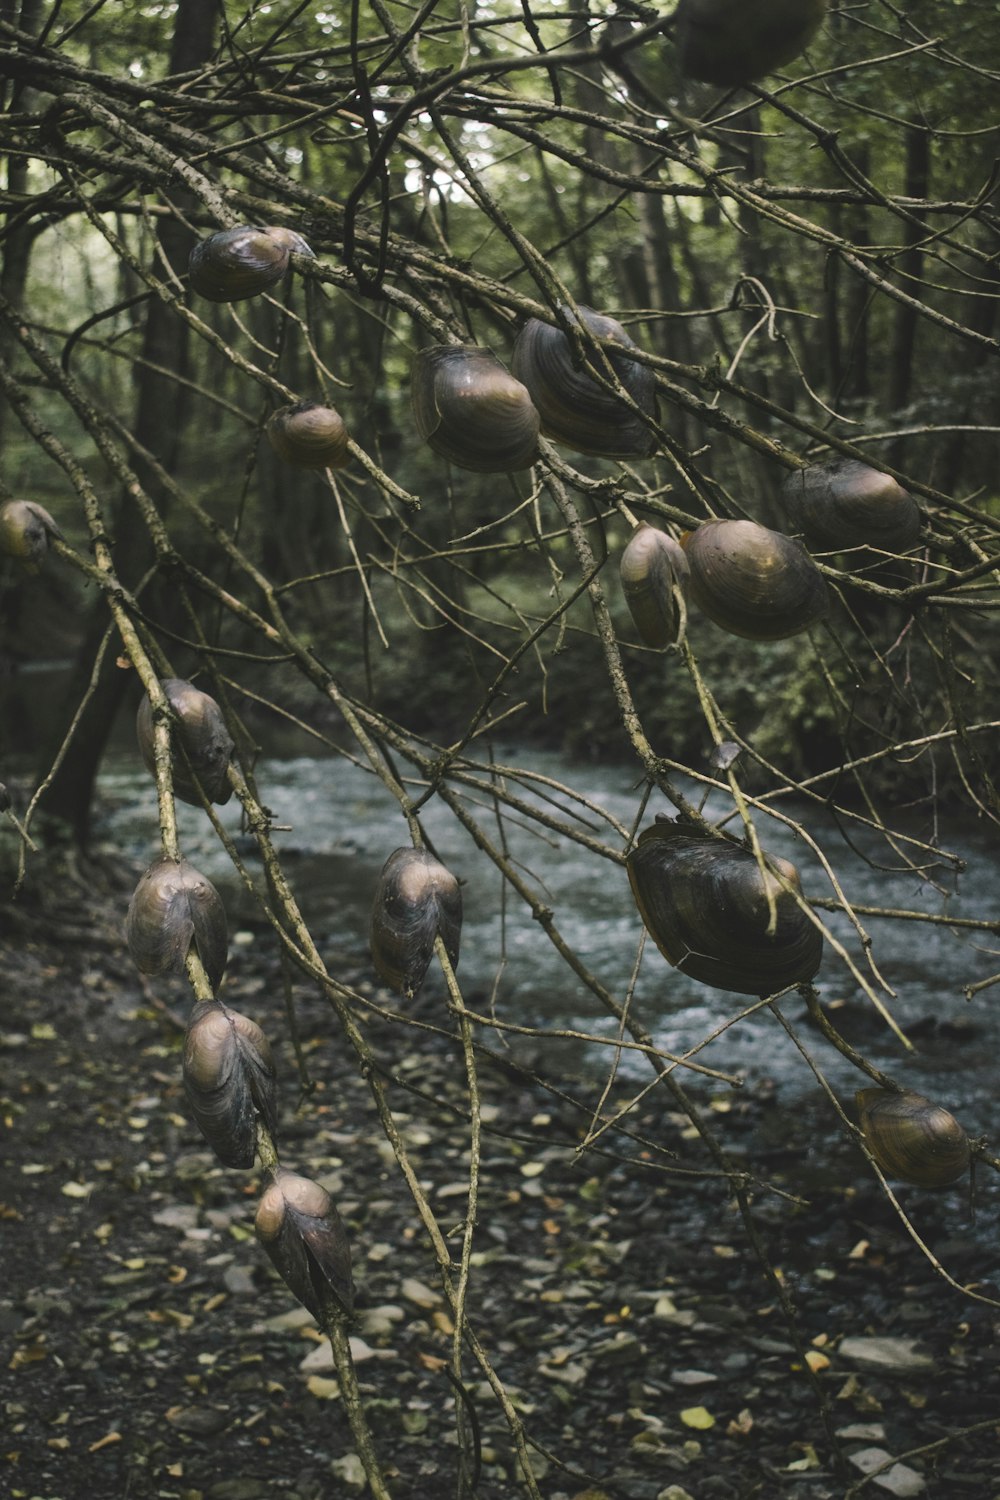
<point>846,503</point>
<point>734,41</point>
<point>304,1235</point>
<point>309,436</point>
<point>26,530</point>
<point>913,1139</point>
<point>416,899</point>
<point>228,1079</point>
<point>653,568</point>
<point>470,409</point>
<point>206,741</point>
<point>752,581</point>
<point>575,408</point>
<point>173,905</point>
<point>234,264</point>
<point>704,902</point>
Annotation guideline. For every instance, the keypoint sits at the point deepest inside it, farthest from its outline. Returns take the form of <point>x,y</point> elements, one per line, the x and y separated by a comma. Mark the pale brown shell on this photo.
<point>26,530</point>
<point>229,1078</point>
<point>417,898</point>
<point>309,436</point>
<point>913,1139</point>
<point>304,1235</point>
<point>735,41</point>
<point>752,581</point>
<point>207,743</point>
<point>470,409</point>
<point>846,503</point>
<point>704,902</point>
<point>574,407</point>
<point>652,569</point>
<point>172,906</point>
<point>234,264</point>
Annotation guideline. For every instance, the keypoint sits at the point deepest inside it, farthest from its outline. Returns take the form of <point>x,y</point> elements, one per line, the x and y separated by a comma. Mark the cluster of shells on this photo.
<point>228,1068</point>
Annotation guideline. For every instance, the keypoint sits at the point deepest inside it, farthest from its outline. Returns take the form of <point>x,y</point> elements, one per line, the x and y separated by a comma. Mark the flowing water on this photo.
<point>335,824</point>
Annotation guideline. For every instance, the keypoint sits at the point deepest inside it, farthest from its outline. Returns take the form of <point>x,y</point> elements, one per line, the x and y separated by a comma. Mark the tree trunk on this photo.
<point>161,405</point>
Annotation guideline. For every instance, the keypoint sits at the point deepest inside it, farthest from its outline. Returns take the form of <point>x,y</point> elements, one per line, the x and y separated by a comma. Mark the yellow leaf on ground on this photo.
<point>697,1416</point>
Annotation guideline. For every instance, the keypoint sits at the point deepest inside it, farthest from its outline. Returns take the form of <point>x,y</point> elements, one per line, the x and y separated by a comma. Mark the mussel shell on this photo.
<point>575,409</point>
<point>704,902</point>
<point>735,41</point>
<point>752,581</point>
<point>470,409</point>
<point>173,905</point>
<point>207,742</point>
<point>416,899</point>
<point>846,503</point>
<point>25,532</point>
<point>309,436</point>
<point>652,566</point>
<point>229,1078</point>
<point>234,264</point>
<point>304,1235</point>
<point>913,1139</point>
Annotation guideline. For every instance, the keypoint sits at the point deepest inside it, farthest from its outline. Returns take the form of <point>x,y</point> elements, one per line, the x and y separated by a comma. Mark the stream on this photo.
<point>335,824</point>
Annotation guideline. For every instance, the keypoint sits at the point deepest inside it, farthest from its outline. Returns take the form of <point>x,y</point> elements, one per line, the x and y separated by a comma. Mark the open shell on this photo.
<point>846,503</point>
<point>574,407</point>
<point>304,1235</point>
<point>234,264</point>
<point>206,742</point>
<point>309,436</point>
<point>735,41</point>
<point>913,1139</point>
<point>652,569</point>
<point>704,902</point>
<point>416,899</point>
<point>228,1079</point>
<point>470,409</point>
<point>172,906</point>
<point>753,581</point>
<point>26,531</point>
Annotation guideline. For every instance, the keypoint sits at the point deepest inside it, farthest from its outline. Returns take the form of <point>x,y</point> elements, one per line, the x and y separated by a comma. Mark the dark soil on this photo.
<point>149,1349</point>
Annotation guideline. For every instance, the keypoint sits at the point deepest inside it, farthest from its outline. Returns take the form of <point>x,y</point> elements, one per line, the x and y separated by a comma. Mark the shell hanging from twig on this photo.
<point>705,902</point>
<point>172,906</point>
<point>304,1235</point>
<point>575,408</point>
<point>229,1079</point>
<point>417,898</point>
<point>846,503</point>
<point>470,409</point>
<point>653,569</point>
<point>207,743</point>
<point>26,532</point>
<point>309,436</point>
<point>752,581</point>
<point>913,1139</point>
<point>234,264</point>
<point>735,41</point>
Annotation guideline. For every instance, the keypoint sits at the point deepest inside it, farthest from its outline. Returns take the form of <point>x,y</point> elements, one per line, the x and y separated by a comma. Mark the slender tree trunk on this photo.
<point>918,165</point>
<point>159,424</point>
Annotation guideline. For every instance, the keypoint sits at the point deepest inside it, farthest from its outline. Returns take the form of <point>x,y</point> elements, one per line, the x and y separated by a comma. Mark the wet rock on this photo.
<point>889,1356</point>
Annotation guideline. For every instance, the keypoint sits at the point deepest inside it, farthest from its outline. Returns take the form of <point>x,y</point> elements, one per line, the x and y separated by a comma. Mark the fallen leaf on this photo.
<point>322,1388</point>
<point>105,1442</point>
<point>697,1416</point>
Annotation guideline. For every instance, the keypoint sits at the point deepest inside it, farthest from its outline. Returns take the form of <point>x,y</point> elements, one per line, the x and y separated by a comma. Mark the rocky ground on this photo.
<point>150,1350</point>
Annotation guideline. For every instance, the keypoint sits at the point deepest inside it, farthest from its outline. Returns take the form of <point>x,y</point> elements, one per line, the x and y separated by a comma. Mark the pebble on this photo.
<point>900,1480</point>
<point>889,1356</point>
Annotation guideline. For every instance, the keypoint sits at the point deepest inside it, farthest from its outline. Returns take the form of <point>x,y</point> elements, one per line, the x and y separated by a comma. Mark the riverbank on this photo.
<point>152,1351</point>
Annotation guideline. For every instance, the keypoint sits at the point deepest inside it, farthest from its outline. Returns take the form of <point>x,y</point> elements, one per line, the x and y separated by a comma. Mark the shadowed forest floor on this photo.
<point>149,1349</point>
